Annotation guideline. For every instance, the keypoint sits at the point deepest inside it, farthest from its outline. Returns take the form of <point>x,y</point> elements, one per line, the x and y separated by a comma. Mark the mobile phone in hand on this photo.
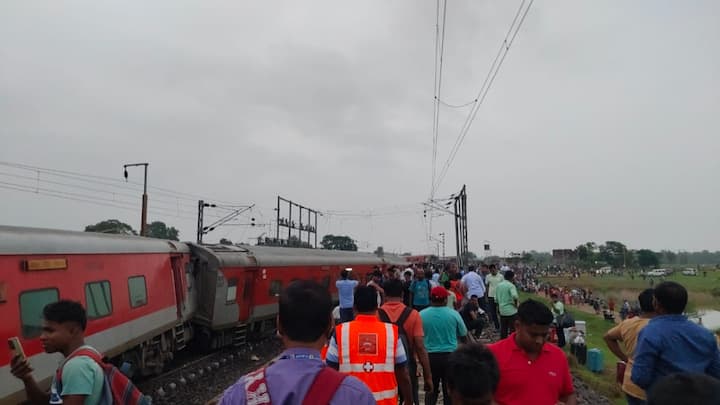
<point>16,348</point>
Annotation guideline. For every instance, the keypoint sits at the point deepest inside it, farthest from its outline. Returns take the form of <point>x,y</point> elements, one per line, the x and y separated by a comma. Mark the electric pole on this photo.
<point>442,235</point>
<point>143,215</point>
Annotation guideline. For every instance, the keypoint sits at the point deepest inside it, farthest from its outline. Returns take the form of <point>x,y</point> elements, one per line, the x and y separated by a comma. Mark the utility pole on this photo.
<point>203,230</point>
<point>143,215</point>
<point>442,235</point>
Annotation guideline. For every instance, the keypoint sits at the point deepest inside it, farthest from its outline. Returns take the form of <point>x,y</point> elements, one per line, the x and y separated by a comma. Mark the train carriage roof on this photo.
<point>246,255</point>
<point>21,240</point>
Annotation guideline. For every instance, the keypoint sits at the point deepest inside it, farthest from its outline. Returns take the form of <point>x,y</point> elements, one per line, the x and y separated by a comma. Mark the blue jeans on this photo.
<point>346,315</point>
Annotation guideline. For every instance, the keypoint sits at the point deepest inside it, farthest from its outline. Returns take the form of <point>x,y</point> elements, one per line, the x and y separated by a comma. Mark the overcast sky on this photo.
<point>603,123</point>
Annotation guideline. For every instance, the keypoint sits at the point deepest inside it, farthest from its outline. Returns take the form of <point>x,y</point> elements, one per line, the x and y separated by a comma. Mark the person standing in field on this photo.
<point>627,332</point>
<point>558,310</point>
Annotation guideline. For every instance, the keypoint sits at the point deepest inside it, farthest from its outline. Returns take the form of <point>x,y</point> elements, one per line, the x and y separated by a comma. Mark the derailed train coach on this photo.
<point>239,286</point>
<point>137,292</point>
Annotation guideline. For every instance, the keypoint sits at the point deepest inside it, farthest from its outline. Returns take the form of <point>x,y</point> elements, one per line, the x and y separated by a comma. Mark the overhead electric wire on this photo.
<point>90,200</point>
<point>439,55</point>
<point>487,84</point>
<point>113,182</point>
<point>458,105</point>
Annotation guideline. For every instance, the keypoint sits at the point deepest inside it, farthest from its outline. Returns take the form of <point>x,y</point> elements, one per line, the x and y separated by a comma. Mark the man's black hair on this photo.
<point>344,274</point>
<point>672,296</point>
<point>492,266</point>
<point>685,388</point>
<point>393,288</point>
<point>472,371</point>
<point>509,275</point>
<point>365,299</point>
<point>304,311</point>
<point>66,311</point>
<point>532,312</point>
<point>646,300</point>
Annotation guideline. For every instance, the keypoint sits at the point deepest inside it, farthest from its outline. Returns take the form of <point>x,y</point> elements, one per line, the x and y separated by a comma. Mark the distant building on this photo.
<point>564,255</point>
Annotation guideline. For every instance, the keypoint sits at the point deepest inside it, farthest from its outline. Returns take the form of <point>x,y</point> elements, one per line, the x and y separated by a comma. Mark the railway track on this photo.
<point>198,379</point>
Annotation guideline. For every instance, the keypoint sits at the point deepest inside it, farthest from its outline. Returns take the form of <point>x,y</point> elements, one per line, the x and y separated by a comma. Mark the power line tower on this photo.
<point>309,226</point>
<point>461,242</point>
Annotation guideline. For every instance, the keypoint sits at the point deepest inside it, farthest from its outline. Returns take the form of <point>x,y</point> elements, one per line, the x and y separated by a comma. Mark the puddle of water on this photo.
<point>709,318</point>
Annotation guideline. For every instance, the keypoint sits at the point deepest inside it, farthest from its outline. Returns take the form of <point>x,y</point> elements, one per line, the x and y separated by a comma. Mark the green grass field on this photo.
<point>700,289</point>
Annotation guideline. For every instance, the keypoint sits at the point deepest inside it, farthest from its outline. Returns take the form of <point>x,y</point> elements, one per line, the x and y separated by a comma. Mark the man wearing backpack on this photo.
<point>82,378</point>
<point>298,375</point>
<point>411,333</point>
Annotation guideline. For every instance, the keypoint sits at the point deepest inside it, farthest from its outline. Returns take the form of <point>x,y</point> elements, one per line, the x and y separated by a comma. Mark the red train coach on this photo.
<point>238,286</point>
<point>136,291</point>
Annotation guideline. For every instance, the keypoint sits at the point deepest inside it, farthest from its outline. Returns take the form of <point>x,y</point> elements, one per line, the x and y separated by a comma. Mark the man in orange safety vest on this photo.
<point>371,350</point>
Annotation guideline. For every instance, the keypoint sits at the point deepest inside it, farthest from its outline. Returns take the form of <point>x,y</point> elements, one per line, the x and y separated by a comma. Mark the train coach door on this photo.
<point>177,271</point>
<point>246,301</point>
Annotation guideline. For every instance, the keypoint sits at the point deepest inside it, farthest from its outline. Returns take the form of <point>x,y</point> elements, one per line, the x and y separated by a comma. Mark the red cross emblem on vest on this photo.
<point>368,367</point>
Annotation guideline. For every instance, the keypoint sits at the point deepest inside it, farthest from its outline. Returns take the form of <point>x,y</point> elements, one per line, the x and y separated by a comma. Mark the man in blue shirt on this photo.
<point>670,343</point>
<point>346,289</point>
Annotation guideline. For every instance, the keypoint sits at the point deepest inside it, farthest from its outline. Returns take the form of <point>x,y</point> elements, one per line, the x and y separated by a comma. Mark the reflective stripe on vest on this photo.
<point>388,394</point>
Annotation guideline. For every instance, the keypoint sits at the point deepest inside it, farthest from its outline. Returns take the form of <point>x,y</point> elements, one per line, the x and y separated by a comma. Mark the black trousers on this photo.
<point>438,367</point>
<point>493,311</point>
<point>412,369</point>
<point>507,326</point>
<point>561,336</point>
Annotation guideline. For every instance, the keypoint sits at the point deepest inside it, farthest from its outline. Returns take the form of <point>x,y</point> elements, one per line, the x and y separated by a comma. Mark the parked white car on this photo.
<point>689,272</point>
<point>657,273</point>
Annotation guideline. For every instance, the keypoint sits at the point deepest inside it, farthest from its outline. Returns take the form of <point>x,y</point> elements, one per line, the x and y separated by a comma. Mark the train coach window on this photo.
<point>275,288</point>
<point>231,290</point>
<point>98,300</point>
<point>138,291</point>
<point>31,307</point>
<point>326,282</point>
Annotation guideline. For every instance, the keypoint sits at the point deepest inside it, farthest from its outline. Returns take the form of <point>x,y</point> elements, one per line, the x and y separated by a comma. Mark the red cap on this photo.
<point>439,293</point>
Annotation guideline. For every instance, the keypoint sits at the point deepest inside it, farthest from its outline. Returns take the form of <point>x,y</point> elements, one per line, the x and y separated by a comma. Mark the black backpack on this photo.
<point>401,331</point>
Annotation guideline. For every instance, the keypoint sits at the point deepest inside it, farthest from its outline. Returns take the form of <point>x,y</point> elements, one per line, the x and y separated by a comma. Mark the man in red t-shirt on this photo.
<point>531,371</point>
<point>413,327</point>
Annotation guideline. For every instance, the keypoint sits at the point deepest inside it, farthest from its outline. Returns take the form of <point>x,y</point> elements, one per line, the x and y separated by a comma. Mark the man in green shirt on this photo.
<point>63,332</point>
<point>492,280</point>
<point>507,301</point>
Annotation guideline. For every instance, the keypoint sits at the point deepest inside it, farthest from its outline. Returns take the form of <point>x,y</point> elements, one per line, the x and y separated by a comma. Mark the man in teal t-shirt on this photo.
<point>507,300</point>
<point>420,291</point>
<point>443,327</point>
<point>82,380</point>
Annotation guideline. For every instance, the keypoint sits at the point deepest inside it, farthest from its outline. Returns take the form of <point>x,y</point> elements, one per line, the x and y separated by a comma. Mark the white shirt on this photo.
<point>492,282</point>
<point>474,284</point>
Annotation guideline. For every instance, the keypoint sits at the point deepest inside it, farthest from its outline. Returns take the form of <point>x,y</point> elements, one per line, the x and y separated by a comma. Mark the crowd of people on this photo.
<point>410,323</point>
<point>398,326</point>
